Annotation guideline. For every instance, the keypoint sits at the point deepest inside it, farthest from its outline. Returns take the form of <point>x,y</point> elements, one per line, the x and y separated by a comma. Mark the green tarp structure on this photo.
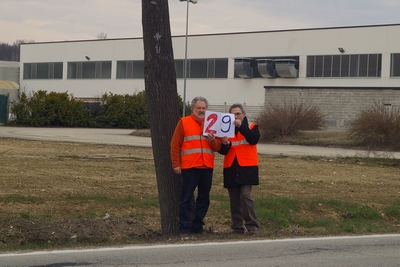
<point>3,109</point>
<point>8,92</point>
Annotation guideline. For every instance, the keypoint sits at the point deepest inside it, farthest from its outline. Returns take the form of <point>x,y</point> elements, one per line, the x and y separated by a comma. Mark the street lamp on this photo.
<point>185,61</point>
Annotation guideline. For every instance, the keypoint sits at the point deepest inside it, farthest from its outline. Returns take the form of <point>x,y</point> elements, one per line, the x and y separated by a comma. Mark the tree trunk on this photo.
<point>162,104</point>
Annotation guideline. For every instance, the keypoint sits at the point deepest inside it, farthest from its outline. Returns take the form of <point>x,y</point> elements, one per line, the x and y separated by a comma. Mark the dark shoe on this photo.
<point>238,231</point>
<point>184,236</point>
<point>198,232</point>
<point>252,231</point>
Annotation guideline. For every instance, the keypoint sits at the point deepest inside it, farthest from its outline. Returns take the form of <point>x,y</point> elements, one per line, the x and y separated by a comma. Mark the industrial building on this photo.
<point>340,69</point>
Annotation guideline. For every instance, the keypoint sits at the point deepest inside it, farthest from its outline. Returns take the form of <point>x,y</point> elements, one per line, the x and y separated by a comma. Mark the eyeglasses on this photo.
<point>238,113</point>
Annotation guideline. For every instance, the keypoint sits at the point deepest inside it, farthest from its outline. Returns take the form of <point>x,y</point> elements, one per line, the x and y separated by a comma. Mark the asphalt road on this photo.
<point>123,137</point>
<point>379,250</point>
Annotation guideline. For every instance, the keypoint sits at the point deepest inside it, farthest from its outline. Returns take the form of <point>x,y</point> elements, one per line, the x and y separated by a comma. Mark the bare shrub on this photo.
<point>276,121</point>
<point>377,127</point>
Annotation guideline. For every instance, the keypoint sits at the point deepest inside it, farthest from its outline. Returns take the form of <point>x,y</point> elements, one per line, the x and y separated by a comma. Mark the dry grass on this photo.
<point>52,191</point>
<point>322,138</point>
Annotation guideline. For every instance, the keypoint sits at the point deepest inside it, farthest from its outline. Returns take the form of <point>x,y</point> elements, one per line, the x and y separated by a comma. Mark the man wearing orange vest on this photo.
<point>192,156</point>
<point>241,170</point>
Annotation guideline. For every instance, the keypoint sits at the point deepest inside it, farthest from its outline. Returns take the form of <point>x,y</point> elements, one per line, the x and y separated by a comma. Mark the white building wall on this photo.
<point>384,39</point>
<point>99,50</point>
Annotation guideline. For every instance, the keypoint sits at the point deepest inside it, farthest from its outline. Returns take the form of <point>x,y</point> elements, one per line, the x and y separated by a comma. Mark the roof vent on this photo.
<point>286,68</point>
<point>243,67</point>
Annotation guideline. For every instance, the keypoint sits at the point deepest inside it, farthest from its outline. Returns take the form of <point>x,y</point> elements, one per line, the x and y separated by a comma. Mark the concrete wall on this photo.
<point>339,105</point>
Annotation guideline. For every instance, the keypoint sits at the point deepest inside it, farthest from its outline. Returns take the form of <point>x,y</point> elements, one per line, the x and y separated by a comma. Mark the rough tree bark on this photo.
<point>162,104</point>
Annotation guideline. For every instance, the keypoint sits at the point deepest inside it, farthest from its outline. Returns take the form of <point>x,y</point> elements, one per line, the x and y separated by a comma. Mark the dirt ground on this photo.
<point>66,193</point>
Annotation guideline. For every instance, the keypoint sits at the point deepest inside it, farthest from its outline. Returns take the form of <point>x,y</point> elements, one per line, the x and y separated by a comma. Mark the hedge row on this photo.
<point>58,109</point>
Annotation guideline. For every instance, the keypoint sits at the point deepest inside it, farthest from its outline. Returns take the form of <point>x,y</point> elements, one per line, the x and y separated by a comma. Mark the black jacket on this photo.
<point>236,174</point>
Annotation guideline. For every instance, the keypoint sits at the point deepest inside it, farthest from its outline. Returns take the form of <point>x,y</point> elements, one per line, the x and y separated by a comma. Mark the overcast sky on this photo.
<point>60,20</point>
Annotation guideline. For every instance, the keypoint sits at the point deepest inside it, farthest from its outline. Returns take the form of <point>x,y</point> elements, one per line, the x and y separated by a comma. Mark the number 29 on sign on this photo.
<point>219,124</point>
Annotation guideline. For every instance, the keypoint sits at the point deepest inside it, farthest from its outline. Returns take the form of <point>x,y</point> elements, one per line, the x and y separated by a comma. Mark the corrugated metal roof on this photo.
<point>8,85</point>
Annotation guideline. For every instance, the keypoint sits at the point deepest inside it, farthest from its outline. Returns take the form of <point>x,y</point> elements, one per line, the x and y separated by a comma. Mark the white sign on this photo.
<point>219,124</point>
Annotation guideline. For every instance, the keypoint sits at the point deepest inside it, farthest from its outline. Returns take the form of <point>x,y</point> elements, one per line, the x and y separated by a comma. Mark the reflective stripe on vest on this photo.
<point>197,150</point>
<point>241,142</point>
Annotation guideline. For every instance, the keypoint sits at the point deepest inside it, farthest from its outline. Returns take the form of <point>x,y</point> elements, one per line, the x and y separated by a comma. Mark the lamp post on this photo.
<point>185,61</point>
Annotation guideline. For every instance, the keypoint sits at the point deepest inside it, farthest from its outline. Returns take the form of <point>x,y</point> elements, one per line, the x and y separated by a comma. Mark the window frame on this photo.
<point>89,69</point>
<point>43,71</point>
<point>345,66</point>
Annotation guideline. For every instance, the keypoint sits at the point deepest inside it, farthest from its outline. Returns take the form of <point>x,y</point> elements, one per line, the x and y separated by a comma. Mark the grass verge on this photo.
<point>58,195</point>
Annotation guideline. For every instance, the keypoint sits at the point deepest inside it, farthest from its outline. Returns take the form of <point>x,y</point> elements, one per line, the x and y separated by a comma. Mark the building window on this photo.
<point>131,69</point>
<point>344,66</point>
<point>196,68</point>
<point>203,68</point>
<point>354,66</point>
<point>48,70</point>
<point>327,67</point>
<point>374,65</point>
<point>220,68</point>
<point>179,68</point>
<point>363,65</point>
<point>395,65</point>
<point>89,70</point>
<point>336,66</point>
<point>311,66</point>
<point>319,64</point>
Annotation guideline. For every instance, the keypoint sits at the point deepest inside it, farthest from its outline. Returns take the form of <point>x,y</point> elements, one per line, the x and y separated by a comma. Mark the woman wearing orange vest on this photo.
<point>192,156</point>
<point>241,170</point>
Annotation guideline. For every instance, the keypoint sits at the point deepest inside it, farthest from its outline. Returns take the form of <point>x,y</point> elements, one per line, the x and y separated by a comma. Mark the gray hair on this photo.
<point>199,98</point>
<point>237,105</point>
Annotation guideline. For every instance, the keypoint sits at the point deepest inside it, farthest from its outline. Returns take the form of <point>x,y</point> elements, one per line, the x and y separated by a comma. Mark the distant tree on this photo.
<point>101,35</point>
<point>163,107</point>
<point>11,52</point>
<point>24,41</point>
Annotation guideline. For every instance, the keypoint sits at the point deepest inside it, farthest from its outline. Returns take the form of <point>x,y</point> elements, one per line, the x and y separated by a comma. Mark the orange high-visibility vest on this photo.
<point>195,151</point>
<point>245,153</point>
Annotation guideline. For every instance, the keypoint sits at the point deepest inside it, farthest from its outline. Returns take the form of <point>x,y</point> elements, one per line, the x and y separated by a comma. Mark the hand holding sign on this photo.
<point>219,124</point>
